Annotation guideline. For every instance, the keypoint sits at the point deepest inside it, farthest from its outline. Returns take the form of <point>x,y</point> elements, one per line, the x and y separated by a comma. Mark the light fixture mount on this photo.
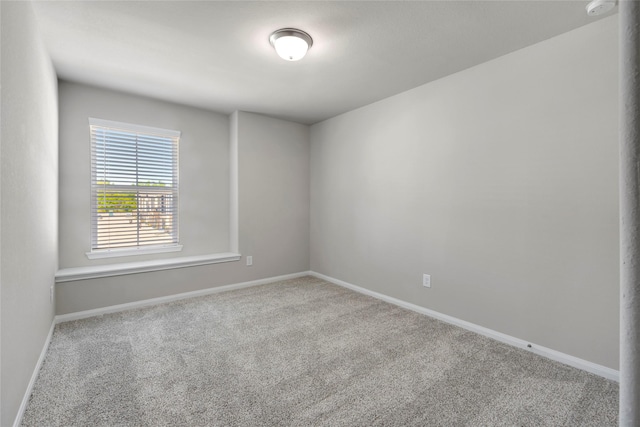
<point>290,43</point>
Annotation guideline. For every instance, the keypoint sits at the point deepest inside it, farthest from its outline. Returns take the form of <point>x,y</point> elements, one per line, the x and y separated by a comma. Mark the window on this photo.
<point>134,189</point>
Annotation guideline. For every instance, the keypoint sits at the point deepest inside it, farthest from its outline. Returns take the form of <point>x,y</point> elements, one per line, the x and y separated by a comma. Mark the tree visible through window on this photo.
<point>134,186</point>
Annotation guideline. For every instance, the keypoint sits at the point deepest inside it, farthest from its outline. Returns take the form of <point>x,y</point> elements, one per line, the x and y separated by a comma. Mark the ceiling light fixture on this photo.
<point>291,44</point>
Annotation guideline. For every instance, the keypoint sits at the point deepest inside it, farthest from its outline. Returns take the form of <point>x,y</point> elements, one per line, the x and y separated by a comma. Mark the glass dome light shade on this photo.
<point>291,44</point>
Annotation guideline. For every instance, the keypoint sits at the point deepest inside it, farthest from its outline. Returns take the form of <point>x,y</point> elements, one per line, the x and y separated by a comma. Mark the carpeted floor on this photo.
<point>301,352</point>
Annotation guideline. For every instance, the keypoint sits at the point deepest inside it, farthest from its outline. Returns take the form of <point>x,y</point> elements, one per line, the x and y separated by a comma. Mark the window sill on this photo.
<point>144,250</point>
<point>98,271</point>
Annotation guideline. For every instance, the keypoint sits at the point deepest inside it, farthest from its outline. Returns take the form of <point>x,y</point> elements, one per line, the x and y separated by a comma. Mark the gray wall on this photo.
<point>273,179</point>
<point>500,181</point>
<point>29,212</point>
<point>204,170</point>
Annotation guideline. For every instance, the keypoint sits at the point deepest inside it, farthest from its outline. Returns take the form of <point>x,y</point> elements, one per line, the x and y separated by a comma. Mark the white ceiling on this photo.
<point>216,54</point>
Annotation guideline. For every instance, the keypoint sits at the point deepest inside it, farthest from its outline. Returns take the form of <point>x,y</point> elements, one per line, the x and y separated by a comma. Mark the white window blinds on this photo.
<point>134,186</point>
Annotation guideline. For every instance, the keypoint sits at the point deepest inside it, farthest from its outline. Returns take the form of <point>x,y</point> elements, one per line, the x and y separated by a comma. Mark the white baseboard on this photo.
<point>169,298</point>
<point>34,376</point>
<point>575,362</point>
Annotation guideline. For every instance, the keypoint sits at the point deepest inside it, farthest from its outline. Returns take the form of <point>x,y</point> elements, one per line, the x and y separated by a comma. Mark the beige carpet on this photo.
<point>301,352</point>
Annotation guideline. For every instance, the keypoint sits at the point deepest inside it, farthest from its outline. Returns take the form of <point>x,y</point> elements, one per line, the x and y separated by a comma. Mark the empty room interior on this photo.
<point>411,220</point>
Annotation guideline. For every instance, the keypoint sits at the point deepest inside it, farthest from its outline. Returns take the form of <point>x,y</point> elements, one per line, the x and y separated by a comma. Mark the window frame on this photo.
<point>96,252</point>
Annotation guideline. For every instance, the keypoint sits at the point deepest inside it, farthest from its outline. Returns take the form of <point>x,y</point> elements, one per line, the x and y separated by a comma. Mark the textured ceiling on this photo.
<point>216,55</point>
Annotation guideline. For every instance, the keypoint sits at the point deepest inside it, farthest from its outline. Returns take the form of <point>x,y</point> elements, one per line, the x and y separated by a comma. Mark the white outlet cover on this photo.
<point>426,280</point>
<point>249,260</point>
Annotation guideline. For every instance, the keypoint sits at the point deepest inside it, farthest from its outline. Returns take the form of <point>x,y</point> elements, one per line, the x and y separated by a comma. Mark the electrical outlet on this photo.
<point>249,260</point>
<point>426,280</point>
